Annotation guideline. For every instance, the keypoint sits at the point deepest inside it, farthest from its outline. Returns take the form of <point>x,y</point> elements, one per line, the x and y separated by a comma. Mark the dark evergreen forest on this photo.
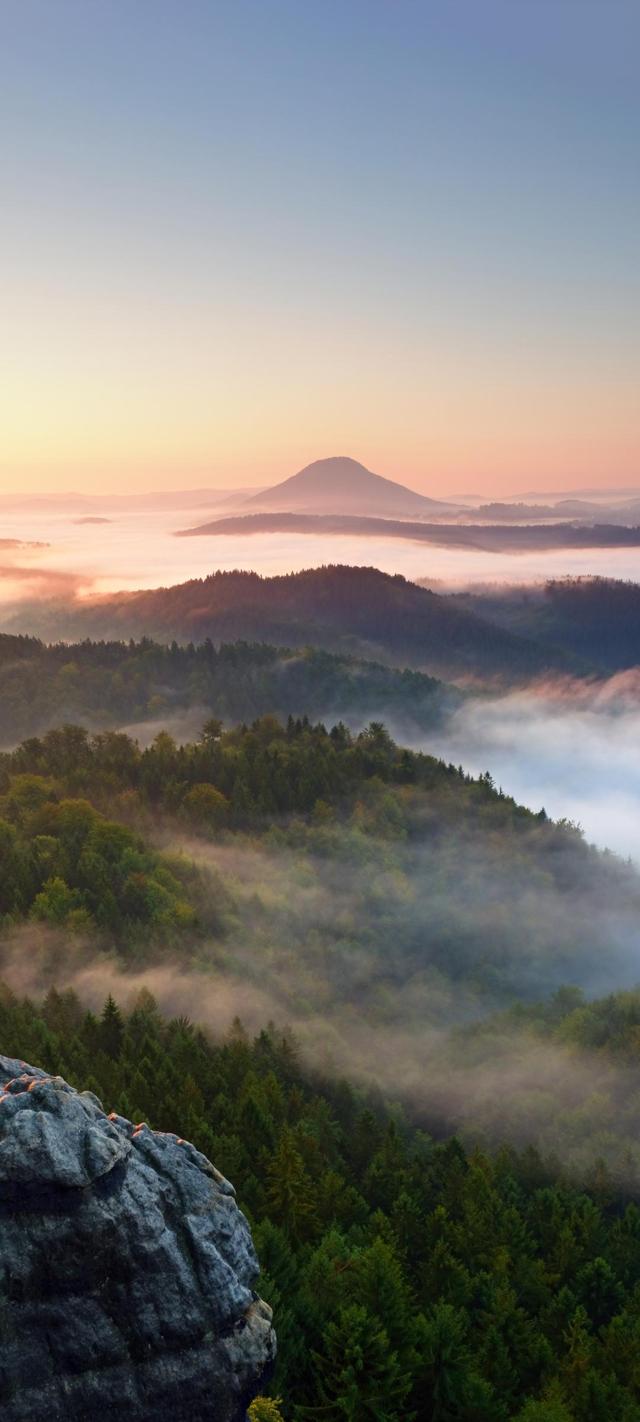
<point>411,1277</point>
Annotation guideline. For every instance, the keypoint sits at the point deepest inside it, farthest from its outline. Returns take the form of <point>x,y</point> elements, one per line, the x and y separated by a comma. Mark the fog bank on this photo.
<point>571,747</point>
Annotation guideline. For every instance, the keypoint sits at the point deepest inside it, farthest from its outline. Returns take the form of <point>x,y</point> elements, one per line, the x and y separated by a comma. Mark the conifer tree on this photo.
<point>359,1376</point>
<point>289,1190</point>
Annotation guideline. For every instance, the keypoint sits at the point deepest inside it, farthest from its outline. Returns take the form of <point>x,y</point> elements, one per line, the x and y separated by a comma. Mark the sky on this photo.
<point>238,236</point>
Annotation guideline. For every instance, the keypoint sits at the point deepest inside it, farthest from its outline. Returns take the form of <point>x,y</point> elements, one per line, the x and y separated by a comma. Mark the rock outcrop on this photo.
<point>126,1268</point>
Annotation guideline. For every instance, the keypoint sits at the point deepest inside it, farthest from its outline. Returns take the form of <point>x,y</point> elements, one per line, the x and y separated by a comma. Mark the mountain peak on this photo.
<point>340,484</point>
<point>337,466</point>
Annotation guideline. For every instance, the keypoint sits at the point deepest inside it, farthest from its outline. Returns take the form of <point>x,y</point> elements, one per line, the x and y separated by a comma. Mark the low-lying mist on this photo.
<point>568,746</point>
<point>505,1083</point>
<point>393,964</point>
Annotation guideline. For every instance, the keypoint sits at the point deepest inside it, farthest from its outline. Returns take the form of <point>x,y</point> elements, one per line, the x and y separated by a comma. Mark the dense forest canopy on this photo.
<point>118,683</point>
<point>411,1278</point>
<point>63,863</point>
<point>334,846</point>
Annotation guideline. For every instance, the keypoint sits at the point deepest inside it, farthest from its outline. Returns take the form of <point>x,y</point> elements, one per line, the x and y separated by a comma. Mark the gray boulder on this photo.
<point>126,1268</point>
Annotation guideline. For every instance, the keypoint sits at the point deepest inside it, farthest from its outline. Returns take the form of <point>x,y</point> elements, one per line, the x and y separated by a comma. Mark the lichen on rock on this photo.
<point>126,1268</point>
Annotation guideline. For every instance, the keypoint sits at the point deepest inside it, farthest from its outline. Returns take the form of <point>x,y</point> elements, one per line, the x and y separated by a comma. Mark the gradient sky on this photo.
<point>239,236</point>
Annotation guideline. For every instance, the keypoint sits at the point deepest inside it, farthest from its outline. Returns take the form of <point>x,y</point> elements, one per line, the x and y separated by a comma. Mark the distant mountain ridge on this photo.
<point>343,485</point>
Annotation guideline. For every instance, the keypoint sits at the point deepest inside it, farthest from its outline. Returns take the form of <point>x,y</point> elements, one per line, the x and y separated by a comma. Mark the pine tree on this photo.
<point>111,1029</point>
<point>289,1193</point>
<point>448,1385</point>
<point>359,1376</point>
<point>378,1285</point>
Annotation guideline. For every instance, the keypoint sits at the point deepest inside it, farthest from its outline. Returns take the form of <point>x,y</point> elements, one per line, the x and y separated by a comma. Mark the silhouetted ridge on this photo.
<point>343,609</point>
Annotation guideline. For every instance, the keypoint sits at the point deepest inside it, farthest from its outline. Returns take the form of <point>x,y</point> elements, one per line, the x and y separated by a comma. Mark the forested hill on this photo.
<point>593,620</point>
<point>339,875</point>
<point>343,609</point>
<point>117,683</point>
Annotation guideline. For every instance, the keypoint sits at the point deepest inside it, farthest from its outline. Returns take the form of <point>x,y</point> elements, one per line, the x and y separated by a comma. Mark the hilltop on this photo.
<point>360,611</point>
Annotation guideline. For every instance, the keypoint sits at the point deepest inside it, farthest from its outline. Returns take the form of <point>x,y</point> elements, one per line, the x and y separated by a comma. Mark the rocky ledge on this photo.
<point>126,1268</point>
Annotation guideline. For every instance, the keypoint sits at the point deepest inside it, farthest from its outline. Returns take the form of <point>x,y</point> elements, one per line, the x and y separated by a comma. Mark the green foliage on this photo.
<point>449,1385</point>
<point>65,865</point>
<point>548,1409</point>
<point>358,1376</point>
<point>205,808</point>
<point>409,1279</point>
<point>347,844</point>
<point>265,1409</point>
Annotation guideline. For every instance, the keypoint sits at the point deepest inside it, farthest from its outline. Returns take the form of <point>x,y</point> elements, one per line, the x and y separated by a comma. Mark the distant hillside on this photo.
<point>106,684</point>
<point>356,610</point>
<point>342,485</point>
<point>594,619</point>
